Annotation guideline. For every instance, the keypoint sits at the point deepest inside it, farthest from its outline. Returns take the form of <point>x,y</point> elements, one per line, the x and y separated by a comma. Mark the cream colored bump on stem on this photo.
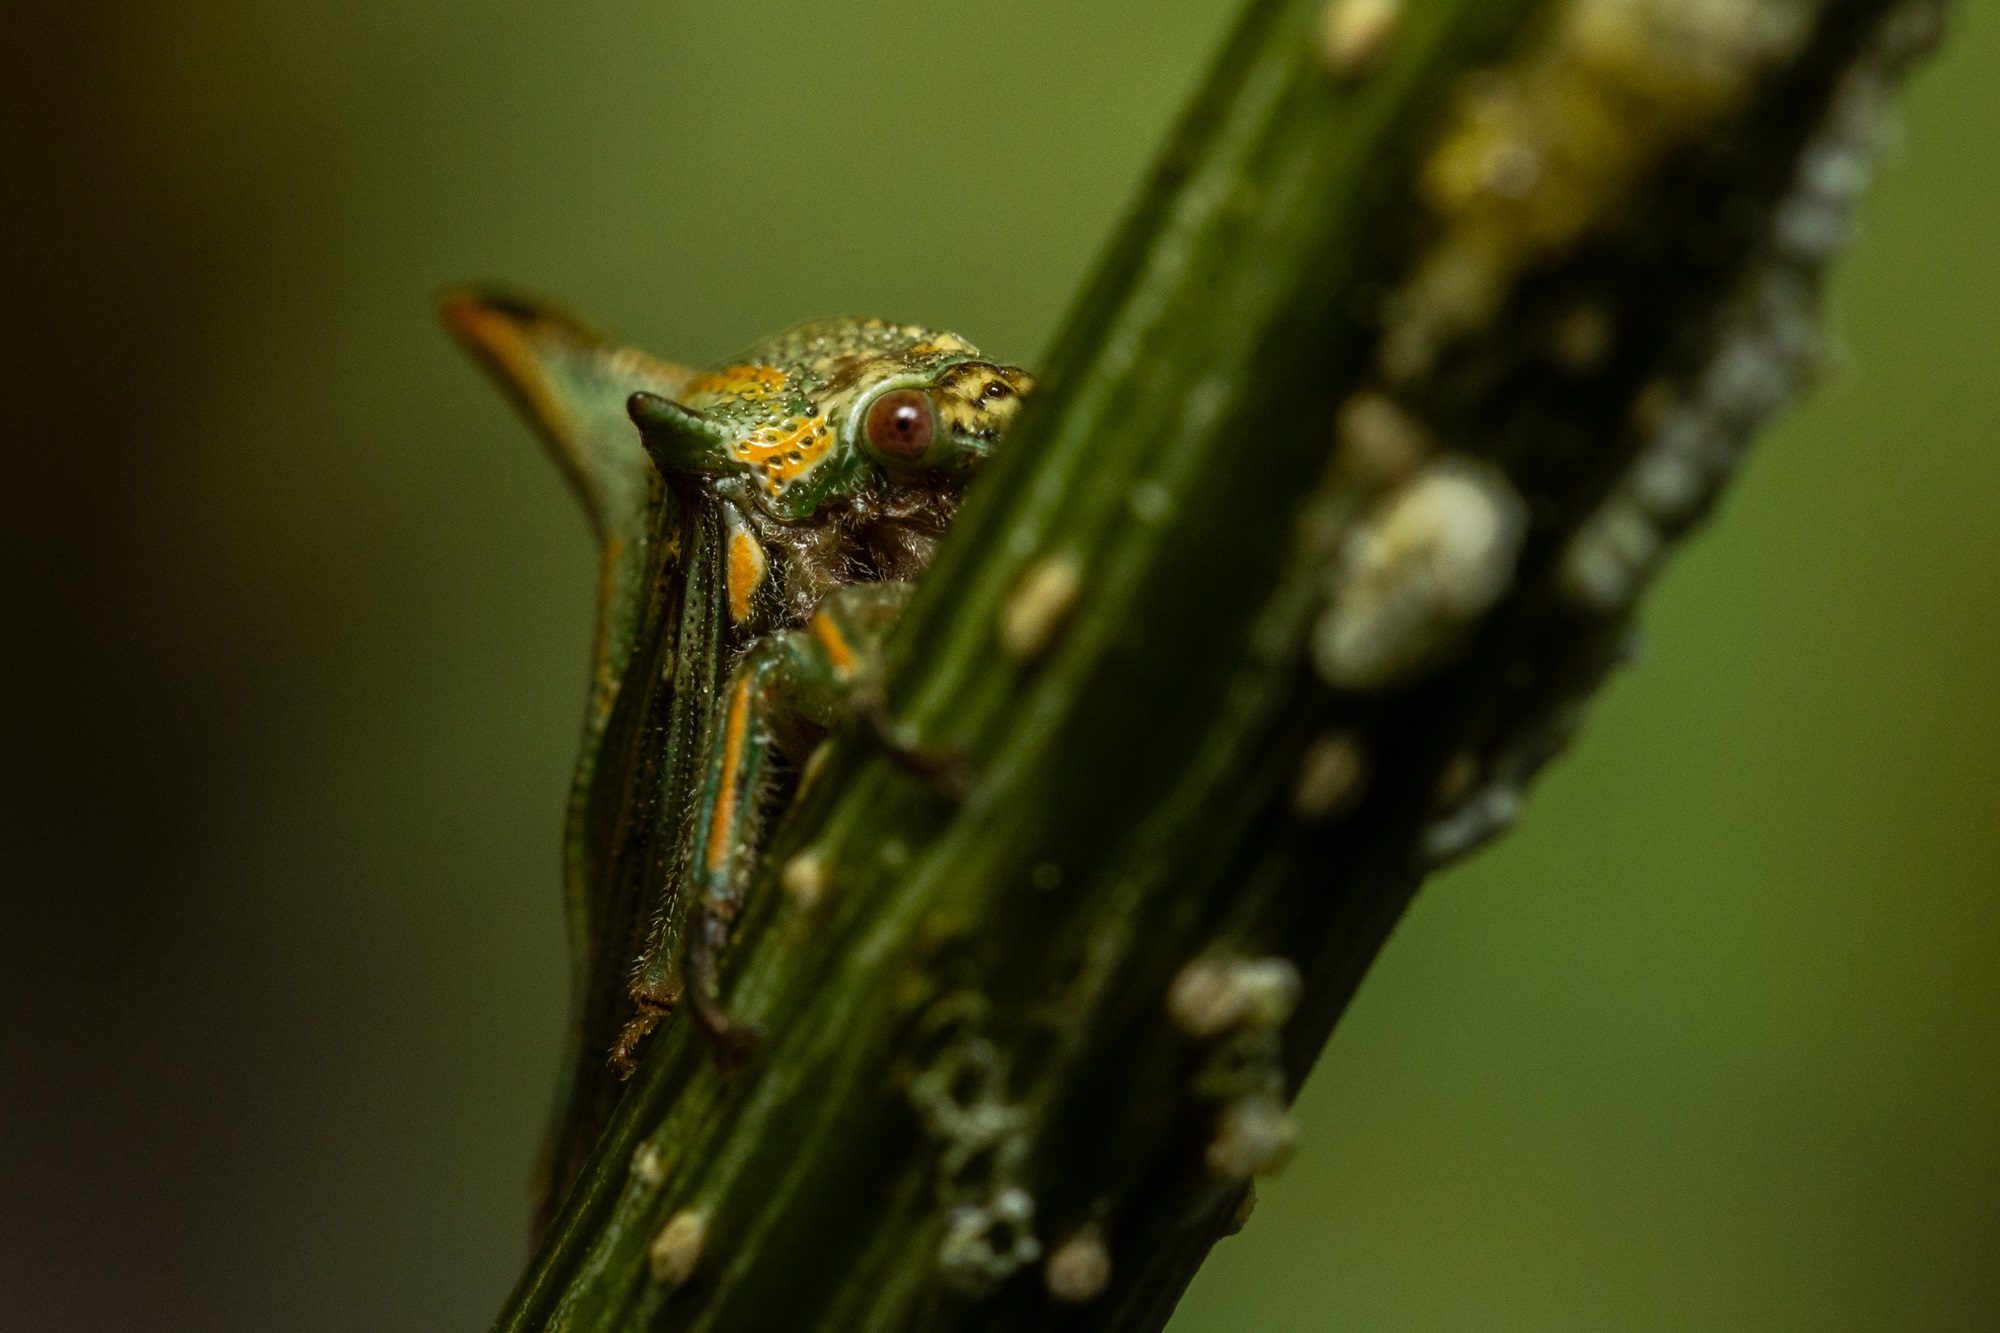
<point>1254,1136</point>
<point>1211,996</point>
<point>676,1251</point>
<point>1354,35</point>
<point>1080,1268</point>
<point>1040,603</point>
<point>985,1244</point>
<point>804,880</point>
<point>1430,559</point>
<point>649,1168</point>
<point>1561,139</point>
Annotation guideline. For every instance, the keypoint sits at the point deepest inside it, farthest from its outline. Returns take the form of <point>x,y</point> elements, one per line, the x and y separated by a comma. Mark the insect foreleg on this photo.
<point>849,626</point>
<point>785,693</point>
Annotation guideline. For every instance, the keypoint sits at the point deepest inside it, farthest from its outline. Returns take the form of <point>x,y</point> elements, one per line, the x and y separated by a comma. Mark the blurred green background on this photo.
<point>294,648</point>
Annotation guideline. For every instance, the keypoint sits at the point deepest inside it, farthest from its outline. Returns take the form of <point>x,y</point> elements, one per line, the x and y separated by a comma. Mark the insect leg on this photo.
<point>848,628</point>
<point>783,695</point>
<point>726,828</point>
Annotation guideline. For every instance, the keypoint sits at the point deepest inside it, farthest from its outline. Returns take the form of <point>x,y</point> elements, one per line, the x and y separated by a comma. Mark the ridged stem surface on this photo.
<point>1232,688</point>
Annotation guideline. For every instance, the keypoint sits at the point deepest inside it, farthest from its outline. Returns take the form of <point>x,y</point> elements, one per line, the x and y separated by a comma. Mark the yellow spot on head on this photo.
<point>979,399</point>
<point>943,344</point>
<point>739,382</point>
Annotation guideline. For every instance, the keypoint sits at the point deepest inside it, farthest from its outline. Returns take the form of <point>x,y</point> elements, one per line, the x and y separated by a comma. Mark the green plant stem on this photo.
<point>973,999</point>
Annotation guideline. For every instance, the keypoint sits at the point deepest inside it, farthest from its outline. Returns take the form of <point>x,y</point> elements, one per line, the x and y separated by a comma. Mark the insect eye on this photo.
<point>901,423</point>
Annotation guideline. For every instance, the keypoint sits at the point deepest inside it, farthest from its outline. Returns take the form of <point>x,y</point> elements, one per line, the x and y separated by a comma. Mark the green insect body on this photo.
<point>760,525</point>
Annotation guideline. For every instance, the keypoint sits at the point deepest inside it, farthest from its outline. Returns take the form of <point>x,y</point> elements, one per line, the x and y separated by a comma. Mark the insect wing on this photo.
<point>573,385</point>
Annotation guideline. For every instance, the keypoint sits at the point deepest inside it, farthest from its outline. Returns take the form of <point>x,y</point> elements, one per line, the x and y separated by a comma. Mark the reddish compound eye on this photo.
<point>900,424</point>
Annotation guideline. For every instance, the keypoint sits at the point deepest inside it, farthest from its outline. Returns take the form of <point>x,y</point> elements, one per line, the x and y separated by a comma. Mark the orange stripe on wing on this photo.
<point>733,729</point>
<point>747,567</point>
<point>504,341</point>
<point>838,650</point>
<point>744,381</point>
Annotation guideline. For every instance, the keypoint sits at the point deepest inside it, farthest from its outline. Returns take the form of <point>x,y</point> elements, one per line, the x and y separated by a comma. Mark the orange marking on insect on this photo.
<point>518,347</point>
<point>739,381</point>
<point>838,650</point>
<point>723,823</point>
<point>747,568</point>
<point>779,455</point>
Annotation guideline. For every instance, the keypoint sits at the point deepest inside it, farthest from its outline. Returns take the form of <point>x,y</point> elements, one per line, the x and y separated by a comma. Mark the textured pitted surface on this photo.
<point>788,404</point>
